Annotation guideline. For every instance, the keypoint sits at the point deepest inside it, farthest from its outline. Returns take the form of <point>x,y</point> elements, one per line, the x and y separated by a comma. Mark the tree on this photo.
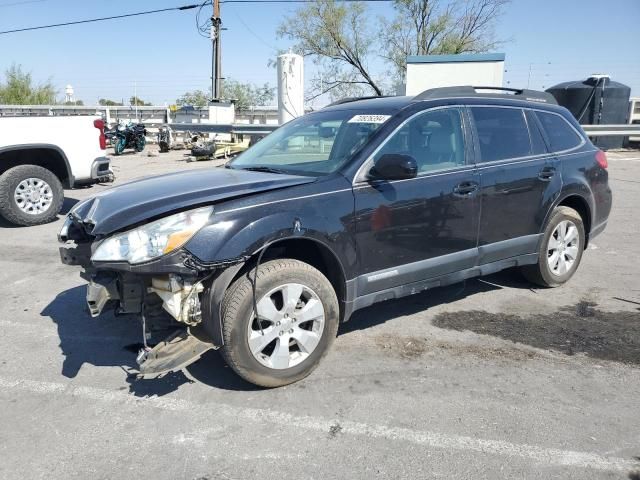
<point>244,95</point>
<point>108,103</point>
<point>19,89</point>
<point>197,98</point>
<point>335,35</point>
<point>78,103</point>
<point>427,27</point>
<point>137,101</point>
<point>344,43</point>
<point>247,94</point>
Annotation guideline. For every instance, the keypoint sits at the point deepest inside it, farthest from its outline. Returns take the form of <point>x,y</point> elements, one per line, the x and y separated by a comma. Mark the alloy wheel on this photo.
<point>33,196</point>
<point>292,318</point>
<point>563,247</point>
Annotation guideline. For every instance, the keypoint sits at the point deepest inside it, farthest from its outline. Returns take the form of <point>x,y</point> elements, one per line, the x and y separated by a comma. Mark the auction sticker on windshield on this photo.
<point>369,118</point>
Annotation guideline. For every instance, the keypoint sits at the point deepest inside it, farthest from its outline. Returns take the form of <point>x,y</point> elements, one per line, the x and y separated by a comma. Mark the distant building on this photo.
<point>432,71</point>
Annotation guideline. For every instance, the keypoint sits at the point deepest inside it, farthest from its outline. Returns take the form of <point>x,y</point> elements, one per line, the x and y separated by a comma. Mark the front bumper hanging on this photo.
<point>176,352</point>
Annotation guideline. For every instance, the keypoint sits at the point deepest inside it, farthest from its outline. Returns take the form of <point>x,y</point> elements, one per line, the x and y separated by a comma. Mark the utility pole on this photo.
<point>216,65</point>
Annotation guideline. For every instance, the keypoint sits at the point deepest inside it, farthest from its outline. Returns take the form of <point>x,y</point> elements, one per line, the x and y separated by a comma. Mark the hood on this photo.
<point>136,201</point>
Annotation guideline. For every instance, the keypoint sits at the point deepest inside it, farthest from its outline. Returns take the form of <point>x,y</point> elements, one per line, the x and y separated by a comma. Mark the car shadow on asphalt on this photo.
<point>113,341</point>
<point>109,340</point>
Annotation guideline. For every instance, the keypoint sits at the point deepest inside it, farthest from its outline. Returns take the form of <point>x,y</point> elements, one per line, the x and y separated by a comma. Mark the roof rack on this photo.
<point>472,91</point>
<point>352,99</point>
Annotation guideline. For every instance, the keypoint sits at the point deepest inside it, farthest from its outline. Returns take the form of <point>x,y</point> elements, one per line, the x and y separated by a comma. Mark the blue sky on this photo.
<point>164,55</point>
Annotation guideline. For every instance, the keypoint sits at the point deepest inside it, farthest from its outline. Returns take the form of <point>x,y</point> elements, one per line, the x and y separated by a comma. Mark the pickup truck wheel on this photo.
<point>298,311</point>
<point>30,195</point>
<point>560,250</point>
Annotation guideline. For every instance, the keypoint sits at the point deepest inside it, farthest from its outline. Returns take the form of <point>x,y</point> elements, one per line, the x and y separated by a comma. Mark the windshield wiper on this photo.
<point>262,169</point>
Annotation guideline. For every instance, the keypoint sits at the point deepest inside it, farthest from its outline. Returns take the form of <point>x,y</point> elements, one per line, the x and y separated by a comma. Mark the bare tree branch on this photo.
<point>337,32</point>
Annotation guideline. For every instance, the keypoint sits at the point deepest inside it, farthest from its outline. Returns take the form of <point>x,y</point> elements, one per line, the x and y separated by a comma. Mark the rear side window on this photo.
<point>537,142</point>
<point>560,134</point>
<point>502,133</point>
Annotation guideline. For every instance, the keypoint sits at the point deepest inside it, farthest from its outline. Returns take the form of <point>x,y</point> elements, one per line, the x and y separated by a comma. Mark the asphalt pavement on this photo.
<point>487,379</point>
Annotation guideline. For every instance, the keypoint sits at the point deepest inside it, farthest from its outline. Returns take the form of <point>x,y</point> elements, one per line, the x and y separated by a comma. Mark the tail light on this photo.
<point>601,158</point>
<point>99,124</point>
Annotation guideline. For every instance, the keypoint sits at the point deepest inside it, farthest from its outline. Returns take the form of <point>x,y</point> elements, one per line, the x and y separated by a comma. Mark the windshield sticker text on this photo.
<point>369,118</point>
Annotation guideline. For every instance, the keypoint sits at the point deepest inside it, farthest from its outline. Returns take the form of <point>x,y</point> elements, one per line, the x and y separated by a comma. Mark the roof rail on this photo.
<point>472,91</point>
<point>352,99</point>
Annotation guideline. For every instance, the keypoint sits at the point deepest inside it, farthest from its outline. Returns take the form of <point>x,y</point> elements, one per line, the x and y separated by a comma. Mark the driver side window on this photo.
<point>434,139</point>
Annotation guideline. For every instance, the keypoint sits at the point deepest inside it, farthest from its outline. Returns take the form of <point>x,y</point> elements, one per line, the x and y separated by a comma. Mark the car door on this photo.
<point>518,180</point>
<point>419,228</point>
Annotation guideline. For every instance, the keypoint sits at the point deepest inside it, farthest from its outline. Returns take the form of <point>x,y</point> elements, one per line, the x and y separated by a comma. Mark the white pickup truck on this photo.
<point>39,156</point>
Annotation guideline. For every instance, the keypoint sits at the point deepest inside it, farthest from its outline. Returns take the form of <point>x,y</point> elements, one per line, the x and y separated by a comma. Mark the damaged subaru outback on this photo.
<point>363,201</point>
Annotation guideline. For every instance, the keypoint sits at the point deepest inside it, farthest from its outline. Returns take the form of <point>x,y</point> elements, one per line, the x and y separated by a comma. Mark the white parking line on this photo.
<point>544,456</point>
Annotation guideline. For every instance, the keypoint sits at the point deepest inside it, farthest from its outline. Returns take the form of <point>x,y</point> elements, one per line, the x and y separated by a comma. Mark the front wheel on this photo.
<point>296,324</point>
<point>120,145</point>
<point>560,251</point>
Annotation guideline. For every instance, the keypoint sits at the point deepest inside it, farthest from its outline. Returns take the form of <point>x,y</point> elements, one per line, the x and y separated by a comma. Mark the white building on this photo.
<point>432,71</point>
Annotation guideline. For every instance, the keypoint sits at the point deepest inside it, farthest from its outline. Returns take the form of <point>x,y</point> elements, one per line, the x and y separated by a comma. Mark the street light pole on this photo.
<point>216,66</point>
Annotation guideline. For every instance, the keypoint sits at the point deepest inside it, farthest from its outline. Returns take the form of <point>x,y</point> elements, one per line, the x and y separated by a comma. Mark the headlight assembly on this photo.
<point>153,239</point>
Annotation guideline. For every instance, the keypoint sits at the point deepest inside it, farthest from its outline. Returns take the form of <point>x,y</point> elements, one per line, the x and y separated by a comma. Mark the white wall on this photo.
<point>423,76</point>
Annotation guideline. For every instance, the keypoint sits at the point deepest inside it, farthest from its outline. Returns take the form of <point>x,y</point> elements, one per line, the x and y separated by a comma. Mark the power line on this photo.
<point>184,7</point>
<point>15,4</point>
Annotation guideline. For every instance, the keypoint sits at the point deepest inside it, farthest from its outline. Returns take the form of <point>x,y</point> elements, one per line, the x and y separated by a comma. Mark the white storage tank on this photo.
<point>290,87</point>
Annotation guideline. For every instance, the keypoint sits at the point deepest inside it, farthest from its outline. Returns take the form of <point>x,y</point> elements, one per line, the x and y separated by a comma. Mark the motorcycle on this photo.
<point>165,139</point>
<point>131,135</point>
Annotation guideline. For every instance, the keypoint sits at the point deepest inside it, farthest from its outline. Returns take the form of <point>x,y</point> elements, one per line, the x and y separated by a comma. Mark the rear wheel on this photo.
<point>30,195</point>
<point>298,320</point>
<point>560,250</point>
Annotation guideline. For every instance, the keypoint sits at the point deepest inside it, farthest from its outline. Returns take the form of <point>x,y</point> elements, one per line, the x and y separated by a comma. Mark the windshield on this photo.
<point>315,144</point>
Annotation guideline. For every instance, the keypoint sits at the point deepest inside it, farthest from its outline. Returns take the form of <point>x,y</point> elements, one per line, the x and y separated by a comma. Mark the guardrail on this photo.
<point>612,130</point>
<point>236,128</point>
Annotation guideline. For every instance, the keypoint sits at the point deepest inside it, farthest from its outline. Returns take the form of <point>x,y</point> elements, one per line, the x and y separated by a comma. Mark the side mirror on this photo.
<point>394,166</point>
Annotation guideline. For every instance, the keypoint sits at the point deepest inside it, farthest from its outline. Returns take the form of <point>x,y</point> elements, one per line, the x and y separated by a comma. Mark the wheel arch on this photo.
<point>309,250</point>
<point>306,249</point>
<point>578,202</point>
<point>44,155</point>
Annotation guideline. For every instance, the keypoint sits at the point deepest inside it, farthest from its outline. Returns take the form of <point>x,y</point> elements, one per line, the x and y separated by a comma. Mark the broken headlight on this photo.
<point>153,239</point>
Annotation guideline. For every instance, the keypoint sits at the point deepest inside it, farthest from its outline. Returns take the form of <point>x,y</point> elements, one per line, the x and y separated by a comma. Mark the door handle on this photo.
<point>465,189</point>
<point>547,173</point>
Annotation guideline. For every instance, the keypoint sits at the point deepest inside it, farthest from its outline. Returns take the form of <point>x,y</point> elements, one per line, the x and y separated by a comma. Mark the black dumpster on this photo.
<point>595,101</point>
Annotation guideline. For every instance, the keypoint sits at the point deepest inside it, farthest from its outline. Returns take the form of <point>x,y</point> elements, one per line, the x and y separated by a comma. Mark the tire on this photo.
<point>45,184</point>
<point>237,318</point>
<point>140,144</point>
<point>542,272</point>
<point>203,151</point>
<point>120,145</point>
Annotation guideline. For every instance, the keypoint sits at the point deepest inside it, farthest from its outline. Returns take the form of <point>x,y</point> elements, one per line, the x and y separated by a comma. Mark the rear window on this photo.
<point>502,133</point>
<point>560,134</point>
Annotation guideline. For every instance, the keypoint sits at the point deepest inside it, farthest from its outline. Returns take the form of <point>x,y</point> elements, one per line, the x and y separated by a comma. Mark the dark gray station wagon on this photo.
<point>363,201</point>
